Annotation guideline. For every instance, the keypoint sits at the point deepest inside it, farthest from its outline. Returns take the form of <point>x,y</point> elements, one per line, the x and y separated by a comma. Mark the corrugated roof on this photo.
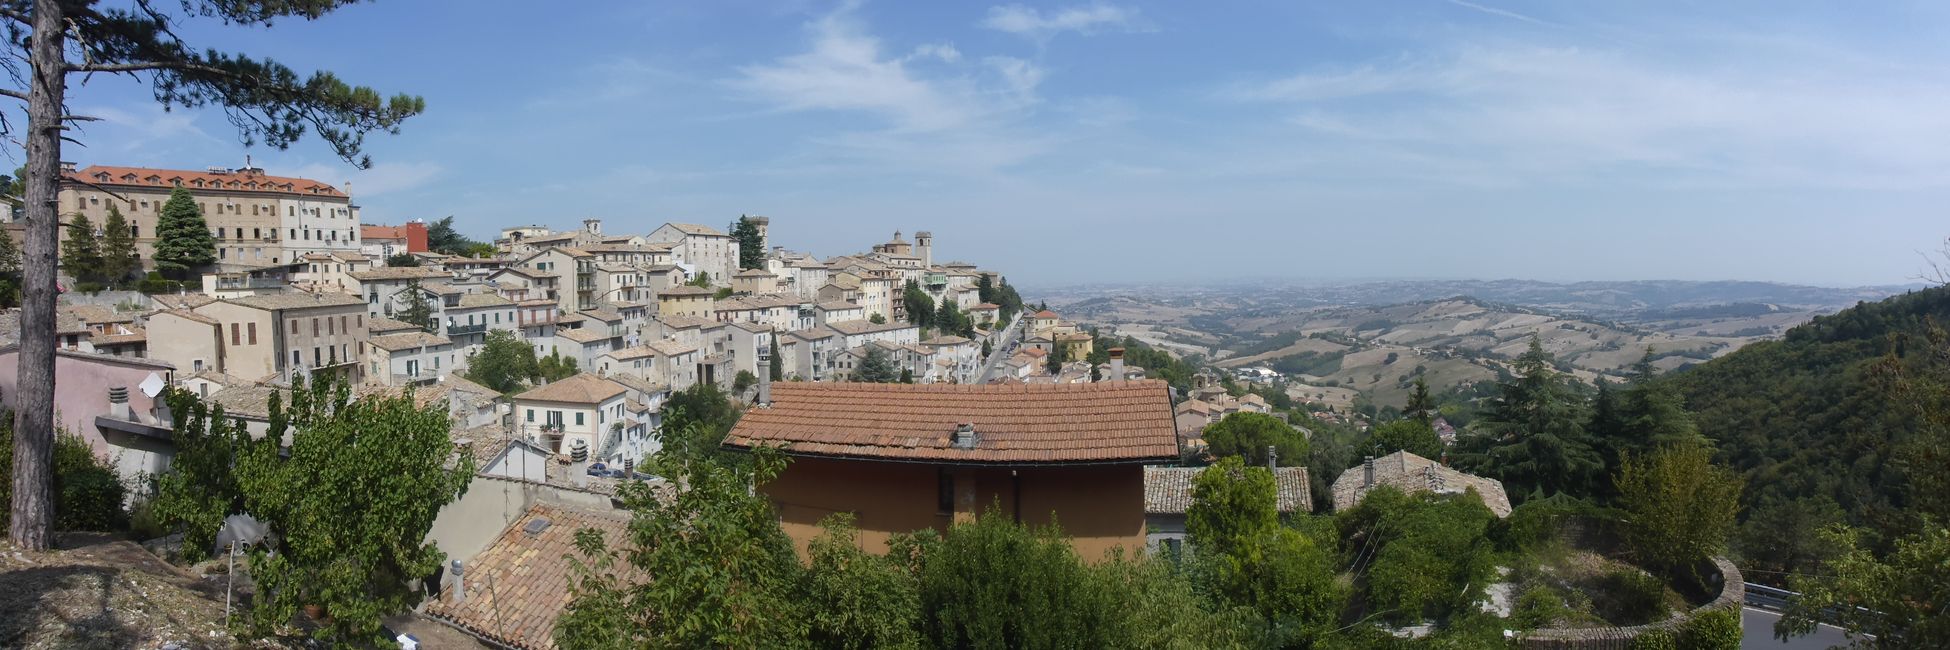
<point>1075,423</point>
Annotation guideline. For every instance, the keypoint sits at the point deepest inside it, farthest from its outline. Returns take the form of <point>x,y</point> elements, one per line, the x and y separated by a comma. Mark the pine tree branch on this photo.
<point>9,92</point>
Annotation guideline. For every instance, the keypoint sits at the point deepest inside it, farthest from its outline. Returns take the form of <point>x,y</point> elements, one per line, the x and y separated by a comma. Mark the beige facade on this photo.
<point>257,219</point>
<point>295,333</point>
<point>695,302</point>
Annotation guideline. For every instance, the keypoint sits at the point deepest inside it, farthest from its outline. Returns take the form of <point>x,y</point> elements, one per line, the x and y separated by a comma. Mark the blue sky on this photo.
<point>1086,142</point>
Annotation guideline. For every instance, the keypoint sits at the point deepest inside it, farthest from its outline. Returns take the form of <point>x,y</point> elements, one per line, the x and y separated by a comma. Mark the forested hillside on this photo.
<point>1814,421</point>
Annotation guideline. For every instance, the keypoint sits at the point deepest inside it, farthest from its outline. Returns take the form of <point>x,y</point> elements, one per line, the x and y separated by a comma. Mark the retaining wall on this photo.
<point>1733,592</point>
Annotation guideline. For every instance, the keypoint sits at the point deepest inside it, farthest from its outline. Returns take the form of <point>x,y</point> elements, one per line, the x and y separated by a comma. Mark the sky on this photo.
<point>1148,141</point>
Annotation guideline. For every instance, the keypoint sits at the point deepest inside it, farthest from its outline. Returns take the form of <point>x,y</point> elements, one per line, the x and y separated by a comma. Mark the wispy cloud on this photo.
<point>1032,23</point>
<point>140,127</point>
<point>384,177</point>
<point>1500,12</point>
<point>1596,116</point>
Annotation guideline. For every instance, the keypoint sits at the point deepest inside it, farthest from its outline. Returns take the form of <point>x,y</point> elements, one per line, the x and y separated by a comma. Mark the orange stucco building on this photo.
<point>903,457</point>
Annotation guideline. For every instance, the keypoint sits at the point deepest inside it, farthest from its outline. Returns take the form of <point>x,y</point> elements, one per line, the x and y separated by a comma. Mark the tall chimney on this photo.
<point>1272,458</point>
<point>1117,364</point>
<point>1369,471</point>
<point>765,387</point>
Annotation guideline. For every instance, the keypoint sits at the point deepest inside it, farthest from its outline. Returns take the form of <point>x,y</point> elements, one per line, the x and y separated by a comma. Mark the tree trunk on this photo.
<point>32,522</point>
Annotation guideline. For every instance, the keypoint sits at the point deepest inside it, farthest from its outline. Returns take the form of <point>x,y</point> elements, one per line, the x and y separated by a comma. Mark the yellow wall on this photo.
<point>1099,507</point>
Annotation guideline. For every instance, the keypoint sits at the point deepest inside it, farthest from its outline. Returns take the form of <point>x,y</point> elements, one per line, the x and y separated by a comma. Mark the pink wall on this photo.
<point>81,383</point>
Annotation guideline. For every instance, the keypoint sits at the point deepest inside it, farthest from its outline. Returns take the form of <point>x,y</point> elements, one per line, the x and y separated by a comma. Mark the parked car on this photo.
<point>599,469</point>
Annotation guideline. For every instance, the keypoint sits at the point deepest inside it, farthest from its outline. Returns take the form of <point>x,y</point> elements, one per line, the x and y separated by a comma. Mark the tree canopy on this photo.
<point>1248,435</point>
<point>751,244</point>
<point>183,240</point>
<point>1533,436</point>
<point>505,363</point>
<point>877,367</point>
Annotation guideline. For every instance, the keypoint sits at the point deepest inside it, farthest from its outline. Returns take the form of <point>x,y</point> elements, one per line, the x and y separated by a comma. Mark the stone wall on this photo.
<point>1732,594</point>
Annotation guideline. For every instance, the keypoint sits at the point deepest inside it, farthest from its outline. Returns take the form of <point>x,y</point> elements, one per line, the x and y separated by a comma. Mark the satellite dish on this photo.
<point>152,386</point>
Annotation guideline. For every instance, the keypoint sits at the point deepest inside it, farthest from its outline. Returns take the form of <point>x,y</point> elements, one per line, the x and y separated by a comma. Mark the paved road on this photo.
<point>1003,348</point>
<point>1758,628</point>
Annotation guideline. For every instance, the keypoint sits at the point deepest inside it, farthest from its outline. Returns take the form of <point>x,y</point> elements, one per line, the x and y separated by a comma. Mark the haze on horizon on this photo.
<point>1077,142</point>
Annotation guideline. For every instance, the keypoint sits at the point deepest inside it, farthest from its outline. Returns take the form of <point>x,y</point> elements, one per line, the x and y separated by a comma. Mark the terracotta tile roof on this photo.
<point>518,587</point>
<point>247,400</point>
<point>1105,422</point>
<point>1046,314</point>
<point>987,306</point>
<point>678,321</point>
<point>1411,473</point>
<point>474,300</point>
<point>188,315</point>
<point>381,325</point>
<point>695,229</point>
<point>1168,490</point>
<point>670,348</point>
<point>232,181</point>
<point>382,232</point>
<point>627,354</point>
<point>134,335</point>
<point>92,314</point>
<point>639,384</point>
<point>752,273</point>
<point>946,339</point>
<point>398,273</point>
<point>582,334</point>
<point>408,340</point>
<point>867,326</point>
<point>584,388</point>
<point>182,300</point>
<point>838,305</point>
<point>686,290</point>
<point>272,301</point>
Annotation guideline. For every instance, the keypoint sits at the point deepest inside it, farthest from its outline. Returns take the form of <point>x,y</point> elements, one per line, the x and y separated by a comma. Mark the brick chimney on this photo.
<point>416,236</point>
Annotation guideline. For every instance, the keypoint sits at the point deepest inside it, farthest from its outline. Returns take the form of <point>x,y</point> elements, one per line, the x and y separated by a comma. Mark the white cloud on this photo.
<point>946,52</point>
<point>1595,116</point>
<point>1032,23</point>
<point>1499,12</point>
<point>142,126</point>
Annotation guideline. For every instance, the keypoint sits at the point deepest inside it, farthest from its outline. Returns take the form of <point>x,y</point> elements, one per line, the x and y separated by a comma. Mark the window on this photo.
<point>233,335</point>
<point>253,333</point>
<point>342,326</point>
<point>256,232</point>
<point>294,326</point>
<point>314,327</point>
<point>531,415</point>
<point>578,419</point>
<point>297,357</point>
<point>135,230</point>
<point>944,493</point>
<point>317,356</point>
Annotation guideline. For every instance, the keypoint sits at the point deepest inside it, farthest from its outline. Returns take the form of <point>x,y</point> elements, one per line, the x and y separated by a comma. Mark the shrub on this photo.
<point>155,283</point>
<point>1714,630</point>
<point>87,493</point>
<point>1656,640</point>
<point>1539,606</point>
<point>89,287</point>
<point>1632,597</point>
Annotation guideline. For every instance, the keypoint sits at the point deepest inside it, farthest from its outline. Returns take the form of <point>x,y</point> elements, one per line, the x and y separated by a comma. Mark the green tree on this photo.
<point>402,260</point>
<point>9,270</point>
<point>1421,407</point>
<point>505,363</point>
<point>443,238</point>
<point>949,320</point>
<point>81,254</point>
<point>555,367</point>
<point>1894,601</point>
<point>1248,435</point>
<point>994,584</point>
<point>183,240</point>
<point>418,309</point>
<point>919,306</point>
<point>1059,354</point>
<point>988,348</point>
<point>1246,559</point>
<point>876,368</point>
<point>696,420</point>
<point>702,281</point>
<point>1652,414</point>
<point>86,488</point>
<point>1412,436</point>
<point>855,599</point>
<point>119,257</point>
<point>349,507</point>
<point>1533,436</point>
<point>751,244</point>
<point>720,572</point>
<point>777,363</point>
<point>266,101</point>
<point>1680,507</point>
<point>877,319</point>
<point>1429,555</point>
<point>200,488</point>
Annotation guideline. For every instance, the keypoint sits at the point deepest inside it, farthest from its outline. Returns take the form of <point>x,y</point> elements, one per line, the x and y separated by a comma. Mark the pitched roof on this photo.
<point>753,273</point>
<point>251,400</point>
<point>398,273</point>
<point>1168,490</point>
<point>946,339</point>
<point>695,229</point>
<point>408,340</point>
<point>474,300</point>
<point>582,334</point>
<point>583,388</point>
<point>367,231</point>
<point>1046,314</point>
<point>518,587</point>
<point>1104,422</point>
<point>380,325</point>
<point>297,300</point>
<point>1411,473</point>
<point>686,290</point>
<point>231,181</point>
<point>866,326</point>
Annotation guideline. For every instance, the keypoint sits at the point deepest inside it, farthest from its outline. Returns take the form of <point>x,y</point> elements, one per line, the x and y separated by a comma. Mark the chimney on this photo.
<point>118,403</point>
<point>460,583</point>
<point>1369,472</point>
<point>765,387</point>
<point>1272,458</point>
<point>1117,364</point>
<point>964,436</point>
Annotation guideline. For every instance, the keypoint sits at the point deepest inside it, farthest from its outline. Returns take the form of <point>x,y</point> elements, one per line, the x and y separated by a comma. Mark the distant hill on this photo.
<point>1802,417</point>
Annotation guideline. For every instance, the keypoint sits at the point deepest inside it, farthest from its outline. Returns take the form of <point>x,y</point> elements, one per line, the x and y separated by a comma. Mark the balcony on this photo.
<point>421,377</point>
<point>457,330</point>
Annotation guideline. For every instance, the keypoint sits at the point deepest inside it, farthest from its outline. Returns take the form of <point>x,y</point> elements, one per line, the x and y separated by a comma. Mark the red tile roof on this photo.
<point>1046,314</point>
<point>232,181</point>
<point>518,587</point>
<point>1104,422</point>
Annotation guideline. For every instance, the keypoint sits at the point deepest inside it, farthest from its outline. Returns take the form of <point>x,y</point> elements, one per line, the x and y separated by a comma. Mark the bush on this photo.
<point>87,493</point>
<point>89,287</point>
<point>1632,597</point>
<point>155,283</point>
<point>1656,640</point>
<point>1539,606</point>
<point>1714,630</point>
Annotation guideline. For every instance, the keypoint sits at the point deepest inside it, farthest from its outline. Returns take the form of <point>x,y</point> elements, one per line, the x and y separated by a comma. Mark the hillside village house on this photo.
<point>272,335</point>
<point>415,357</point>
<point>386,241</point>
<point>384,287</point>
<point>1168,494</point>
<point>701,249</point>
<point>257,219</point>
<point>686,300</point>
<point>1411,473</point>
<point>100,398</point>
<point>579,412</point>
<point>910,457</point>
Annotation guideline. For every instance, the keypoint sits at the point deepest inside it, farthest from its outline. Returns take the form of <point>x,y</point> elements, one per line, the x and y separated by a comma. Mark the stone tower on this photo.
<point>762,224</point>
<point>924,247</point>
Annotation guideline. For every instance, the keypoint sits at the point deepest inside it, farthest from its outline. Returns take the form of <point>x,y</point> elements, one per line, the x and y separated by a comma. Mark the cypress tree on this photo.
<point>81,254</point>
<point>183,240</point>
<point>118,248</point>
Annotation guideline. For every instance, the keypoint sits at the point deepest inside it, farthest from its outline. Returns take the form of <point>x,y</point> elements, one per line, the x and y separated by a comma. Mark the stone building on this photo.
<point>257,219</point>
